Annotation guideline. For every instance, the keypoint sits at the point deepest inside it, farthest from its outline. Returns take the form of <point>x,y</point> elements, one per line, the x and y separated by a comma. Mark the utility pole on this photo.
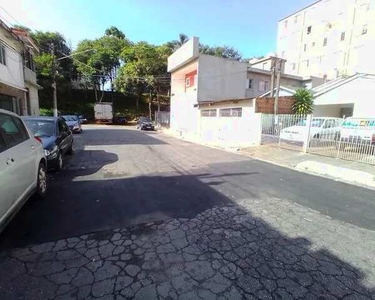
<point>273,68</point>
<point>278,71</point>
<point>54,87</point>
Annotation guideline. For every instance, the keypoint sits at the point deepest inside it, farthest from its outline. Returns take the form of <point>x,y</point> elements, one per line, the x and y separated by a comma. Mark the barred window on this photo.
<point>231,112</point>
<point>208,113</point>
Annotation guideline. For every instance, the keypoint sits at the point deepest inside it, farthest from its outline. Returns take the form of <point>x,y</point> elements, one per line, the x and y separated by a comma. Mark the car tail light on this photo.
<point>38,139</point>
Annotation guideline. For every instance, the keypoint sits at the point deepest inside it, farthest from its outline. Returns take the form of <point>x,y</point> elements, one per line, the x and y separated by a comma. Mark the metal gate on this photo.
<point>162,119</point>
<point>353,139</point>
<point>283,131</point>
<point>350,139</point>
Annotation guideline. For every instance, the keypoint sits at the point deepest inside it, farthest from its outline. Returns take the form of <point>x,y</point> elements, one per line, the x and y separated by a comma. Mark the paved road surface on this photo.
<point>145,216</point>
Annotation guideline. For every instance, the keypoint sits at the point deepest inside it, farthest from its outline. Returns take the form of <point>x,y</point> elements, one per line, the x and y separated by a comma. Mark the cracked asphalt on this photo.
<point>139,215</point>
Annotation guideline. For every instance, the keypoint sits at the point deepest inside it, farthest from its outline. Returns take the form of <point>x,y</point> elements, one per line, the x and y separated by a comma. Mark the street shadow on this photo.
<point>260,261</point>
<point>86,162</point>
<point>115,137</point>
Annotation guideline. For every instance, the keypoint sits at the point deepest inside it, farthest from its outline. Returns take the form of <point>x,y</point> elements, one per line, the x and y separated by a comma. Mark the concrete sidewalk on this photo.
<point>346,171</point>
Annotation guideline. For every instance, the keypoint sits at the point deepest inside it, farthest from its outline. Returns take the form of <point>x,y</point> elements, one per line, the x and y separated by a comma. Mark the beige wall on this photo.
<point>329,19</point>
<point>184,116</point>
<point>12,72</point>
<point>34,100</point>
<point>258,77</point>
<point>231,131</point>
<point>221,79</point>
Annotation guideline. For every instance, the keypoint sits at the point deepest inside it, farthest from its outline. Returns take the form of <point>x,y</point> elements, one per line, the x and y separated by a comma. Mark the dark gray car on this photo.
<point>56,137</point>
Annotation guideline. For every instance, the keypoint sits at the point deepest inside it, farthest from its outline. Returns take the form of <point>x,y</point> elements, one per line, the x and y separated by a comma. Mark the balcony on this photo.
<point>30,76</point>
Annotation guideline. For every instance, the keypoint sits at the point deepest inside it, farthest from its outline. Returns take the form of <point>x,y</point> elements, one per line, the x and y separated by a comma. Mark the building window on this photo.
<point>29,61</point>
<point>325,42</point>
<point>364,30</point>
<point>293,66</point>
<point>2,54</point>
<point>342,36</point>
<point>208,113</point>
<point>283,54</point>
<point>306,63</point>
<point>285,23</point>
<point>296,19</point>
<point>313,44</point>
<point>263,86</point>
<point>190,79</point>
<point>321,59</point>
<point>305,47</point>
<point>250,84</point>
<point>231,112</point>
<point>309,30</point>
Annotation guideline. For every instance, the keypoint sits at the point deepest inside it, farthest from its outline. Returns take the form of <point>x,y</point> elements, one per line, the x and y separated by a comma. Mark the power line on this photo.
<point>10,15</point>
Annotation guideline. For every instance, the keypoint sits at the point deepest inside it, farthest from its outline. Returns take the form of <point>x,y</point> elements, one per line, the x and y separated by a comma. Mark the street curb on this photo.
<point>344,174</point>
<point>357,178</point>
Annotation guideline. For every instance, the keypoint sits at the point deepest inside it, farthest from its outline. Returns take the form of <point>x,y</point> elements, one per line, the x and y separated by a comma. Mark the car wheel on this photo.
<point>42,183</point>
<point>59,162</point>
<point>71,149</point>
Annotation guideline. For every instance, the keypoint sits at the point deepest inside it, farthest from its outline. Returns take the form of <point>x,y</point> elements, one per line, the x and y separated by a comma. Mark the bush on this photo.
<point>303,102</point>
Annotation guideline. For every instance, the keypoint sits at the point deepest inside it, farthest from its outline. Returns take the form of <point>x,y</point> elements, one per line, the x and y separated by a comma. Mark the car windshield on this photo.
<point>41,128</point>
<point>314,123</point>
<point>70,118</point>
<point>359,123</point>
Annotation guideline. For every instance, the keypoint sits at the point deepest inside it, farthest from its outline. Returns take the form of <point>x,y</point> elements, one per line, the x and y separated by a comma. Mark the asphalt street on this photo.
<point>143,215</point>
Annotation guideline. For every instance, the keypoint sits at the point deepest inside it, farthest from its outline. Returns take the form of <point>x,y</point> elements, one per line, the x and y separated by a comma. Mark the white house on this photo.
<point>213,99</point>
<point>346,96</point>
<point>18,85</point>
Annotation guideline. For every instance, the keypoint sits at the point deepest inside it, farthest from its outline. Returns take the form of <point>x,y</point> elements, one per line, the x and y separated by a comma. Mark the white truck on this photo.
<point>103,112</point>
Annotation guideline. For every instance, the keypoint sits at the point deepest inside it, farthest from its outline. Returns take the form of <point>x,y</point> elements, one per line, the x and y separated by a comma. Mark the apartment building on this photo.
<point>329,38</point>
<point>18,82</point>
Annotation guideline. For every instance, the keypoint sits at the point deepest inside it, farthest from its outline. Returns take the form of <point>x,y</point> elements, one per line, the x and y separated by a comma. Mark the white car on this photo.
<point>321,128</point>
<point>23,166</point>
<point>358,131</point>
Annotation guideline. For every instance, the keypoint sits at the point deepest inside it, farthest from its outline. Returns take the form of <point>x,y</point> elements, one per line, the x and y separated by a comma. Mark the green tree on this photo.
<point>114,31</point>
<point>303,102</point>
<point>144,70</point>
<point>44,62</point>
<point>221,51</point>
<point>97,61</point>
<point>175,44</point>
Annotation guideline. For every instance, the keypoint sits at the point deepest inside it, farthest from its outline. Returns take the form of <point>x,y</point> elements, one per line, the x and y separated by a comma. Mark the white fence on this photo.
<point>334,137</point>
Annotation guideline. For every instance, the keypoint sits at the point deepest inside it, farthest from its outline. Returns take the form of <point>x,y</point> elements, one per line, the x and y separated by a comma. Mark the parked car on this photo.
<point>73,123</point>
<point>23,166</point>
<point>358,131</point>
<point>145,123</point>
<point>120,120</point>
<point>82,119</point>
<point>56,137</point>
<point>321,128</point>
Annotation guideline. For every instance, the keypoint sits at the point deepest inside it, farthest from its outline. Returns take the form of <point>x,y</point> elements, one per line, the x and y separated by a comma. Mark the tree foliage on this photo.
<point>144,70</point>
<point>176,44</point>
<point>221,51</point>
<point>303,102</point>
<point>97,60</point>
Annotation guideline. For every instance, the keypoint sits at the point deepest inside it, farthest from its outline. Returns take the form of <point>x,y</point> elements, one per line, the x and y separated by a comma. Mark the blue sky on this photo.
<point>248,25</point>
